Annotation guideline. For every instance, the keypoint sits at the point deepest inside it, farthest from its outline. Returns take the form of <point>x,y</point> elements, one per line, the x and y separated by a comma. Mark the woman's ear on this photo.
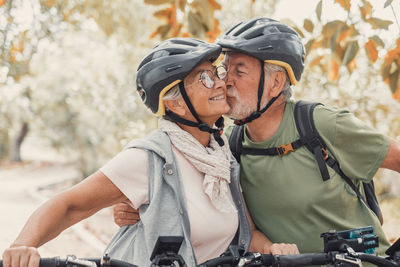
<point>176,106</point>
<point>278,81</point>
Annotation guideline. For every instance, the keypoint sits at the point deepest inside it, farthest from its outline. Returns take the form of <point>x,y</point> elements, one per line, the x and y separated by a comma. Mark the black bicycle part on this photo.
<point>360,240</point>
<point>165,251</point>
<point>72,261</point>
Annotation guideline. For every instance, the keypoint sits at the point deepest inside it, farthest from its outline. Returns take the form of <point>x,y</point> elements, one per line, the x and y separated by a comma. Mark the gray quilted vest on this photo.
<point>166,215</point>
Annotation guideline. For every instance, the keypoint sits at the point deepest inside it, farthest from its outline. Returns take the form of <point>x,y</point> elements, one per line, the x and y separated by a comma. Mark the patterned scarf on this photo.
<point>213,161</point>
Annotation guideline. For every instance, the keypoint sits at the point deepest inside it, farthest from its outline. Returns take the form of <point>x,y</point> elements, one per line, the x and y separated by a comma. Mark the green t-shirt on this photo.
<point>286,196</point>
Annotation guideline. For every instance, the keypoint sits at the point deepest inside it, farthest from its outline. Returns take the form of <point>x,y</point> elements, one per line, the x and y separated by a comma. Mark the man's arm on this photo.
<point>392,159</point>
<point>125,214</point>
<point>260,243</point>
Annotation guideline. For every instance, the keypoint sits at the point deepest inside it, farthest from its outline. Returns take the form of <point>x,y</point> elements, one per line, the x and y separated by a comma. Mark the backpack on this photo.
<point>309,137</point>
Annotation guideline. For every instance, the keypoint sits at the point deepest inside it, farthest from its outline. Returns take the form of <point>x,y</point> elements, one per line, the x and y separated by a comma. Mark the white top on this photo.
<point>211,231</point>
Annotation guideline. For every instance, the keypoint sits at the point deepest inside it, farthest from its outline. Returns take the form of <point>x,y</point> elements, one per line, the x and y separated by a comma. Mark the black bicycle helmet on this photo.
<point>269,41</point>
<point>167,65</point>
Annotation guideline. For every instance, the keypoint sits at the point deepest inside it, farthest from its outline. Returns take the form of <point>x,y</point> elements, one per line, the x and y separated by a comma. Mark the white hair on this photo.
<point>173,94</point>
<point>269,69</point>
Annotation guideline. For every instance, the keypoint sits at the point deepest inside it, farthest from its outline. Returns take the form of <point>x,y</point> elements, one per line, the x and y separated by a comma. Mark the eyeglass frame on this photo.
<point>212,78</point>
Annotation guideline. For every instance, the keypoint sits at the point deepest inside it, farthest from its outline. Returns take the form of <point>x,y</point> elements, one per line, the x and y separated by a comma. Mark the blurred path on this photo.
<point>19,198</point>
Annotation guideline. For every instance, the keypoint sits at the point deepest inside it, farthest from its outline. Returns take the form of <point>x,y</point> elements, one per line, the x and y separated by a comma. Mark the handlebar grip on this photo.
<point>49,262</point>
<point>217,261</point>
<point>305,259</point>
<point>268,259</point>
<point>118,263</point>
<point>44,262</point>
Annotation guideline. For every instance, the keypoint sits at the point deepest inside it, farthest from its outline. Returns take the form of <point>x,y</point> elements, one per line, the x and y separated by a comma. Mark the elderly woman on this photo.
<point>180,176</point>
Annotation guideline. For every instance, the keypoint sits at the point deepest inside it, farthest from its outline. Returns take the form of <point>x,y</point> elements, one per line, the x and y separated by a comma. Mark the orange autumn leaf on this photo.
<point>172,16</point>
<point>352,65</point>
<point>316,44</point>
<point>214,4</point>
<point>397,94</point>
<point>163,14</point>
<point>344,3</point>
<point>215,32</point>
<point>372,52</point>
<point>343,35</point>
<point>366,10</point>
<point>333,74</point>
<point>392,54</point>
<point>185,34</point>
<point>50,3</point>
<point>316,61</point>
<point>153,34</point>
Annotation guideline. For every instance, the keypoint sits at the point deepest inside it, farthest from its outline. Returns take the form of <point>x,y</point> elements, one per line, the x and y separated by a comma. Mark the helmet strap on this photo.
<point>256,114</point>
<point>199,124</point>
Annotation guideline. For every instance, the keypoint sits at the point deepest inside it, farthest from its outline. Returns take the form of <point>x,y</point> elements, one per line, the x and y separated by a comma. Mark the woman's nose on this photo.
<point>219,83</point>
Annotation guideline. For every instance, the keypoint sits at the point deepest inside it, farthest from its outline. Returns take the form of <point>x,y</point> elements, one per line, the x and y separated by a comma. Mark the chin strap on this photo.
<point>199,124</point>
<point>256,114</point>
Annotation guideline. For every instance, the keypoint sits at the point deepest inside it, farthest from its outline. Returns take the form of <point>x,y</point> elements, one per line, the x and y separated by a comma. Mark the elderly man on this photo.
<point>286,196</point>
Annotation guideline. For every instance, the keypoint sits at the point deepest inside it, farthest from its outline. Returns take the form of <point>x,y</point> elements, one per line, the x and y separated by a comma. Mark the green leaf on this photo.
<point>387,3</point>
<point>394,80</point>
<point>378,40</point>
<point>333,42</point>
<point>205,13</point>
<point>308,25</point>
<point>195,26</point>
<point>379,23</point>
<point>351,52</point>
<point>318,10</point>
<point>293,25</point>
<point>309,45</point>
<point>163,30</point>
<point>157,2</point>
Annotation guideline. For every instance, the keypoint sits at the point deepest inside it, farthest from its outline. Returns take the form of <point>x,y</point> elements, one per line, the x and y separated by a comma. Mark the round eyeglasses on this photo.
<point>207,77</point>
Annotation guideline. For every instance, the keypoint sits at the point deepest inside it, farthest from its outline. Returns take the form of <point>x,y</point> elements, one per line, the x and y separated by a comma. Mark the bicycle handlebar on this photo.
<point>76,262</point>
<point>305,259</point>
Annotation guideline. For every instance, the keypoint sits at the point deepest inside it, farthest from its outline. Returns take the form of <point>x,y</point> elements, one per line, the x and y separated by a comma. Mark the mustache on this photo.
<point>231,92</point>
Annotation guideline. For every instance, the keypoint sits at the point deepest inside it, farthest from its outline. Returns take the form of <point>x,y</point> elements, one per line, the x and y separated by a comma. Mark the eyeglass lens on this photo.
<point>209,82</point>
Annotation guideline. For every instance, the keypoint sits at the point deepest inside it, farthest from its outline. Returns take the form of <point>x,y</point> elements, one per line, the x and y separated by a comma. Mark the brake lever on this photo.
<point>245,260</point>
<point>74,261</point>
<point>348,259</point>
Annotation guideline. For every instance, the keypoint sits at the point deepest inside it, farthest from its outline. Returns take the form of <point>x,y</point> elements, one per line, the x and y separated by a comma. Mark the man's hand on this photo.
<point>280,249</point>
<point>125,214</point>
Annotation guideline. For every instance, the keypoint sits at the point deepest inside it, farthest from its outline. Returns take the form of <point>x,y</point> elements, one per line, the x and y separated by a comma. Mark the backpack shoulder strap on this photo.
<point>235,141</point>
<point>303,116</point>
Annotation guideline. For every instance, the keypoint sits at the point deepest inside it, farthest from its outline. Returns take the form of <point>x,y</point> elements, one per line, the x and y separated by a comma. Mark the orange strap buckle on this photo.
<point>284,149</point>
<point>325,153</point>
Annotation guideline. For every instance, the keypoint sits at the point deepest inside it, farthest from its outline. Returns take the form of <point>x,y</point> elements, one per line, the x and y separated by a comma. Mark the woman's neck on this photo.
<point>202,137</point>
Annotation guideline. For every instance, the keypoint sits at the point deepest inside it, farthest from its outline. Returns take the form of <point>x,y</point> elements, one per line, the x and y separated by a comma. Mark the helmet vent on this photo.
<point>172,68</point>
<point>142,94</point>
<point>268,47</point>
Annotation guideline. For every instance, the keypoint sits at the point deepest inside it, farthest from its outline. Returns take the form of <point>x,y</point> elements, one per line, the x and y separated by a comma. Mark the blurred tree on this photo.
<point>84,102</point>
<point>335,44</point>
<point>202,18</point>
<point>17,46</point>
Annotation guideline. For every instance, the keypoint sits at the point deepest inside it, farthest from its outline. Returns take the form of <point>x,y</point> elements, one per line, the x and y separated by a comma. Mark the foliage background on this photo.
<point>67,67</point>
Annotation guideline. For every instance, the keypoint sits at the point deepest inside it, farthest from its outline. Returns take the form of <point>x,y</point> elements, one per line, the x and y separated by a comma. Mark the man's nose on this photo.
<point>228,82</point>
